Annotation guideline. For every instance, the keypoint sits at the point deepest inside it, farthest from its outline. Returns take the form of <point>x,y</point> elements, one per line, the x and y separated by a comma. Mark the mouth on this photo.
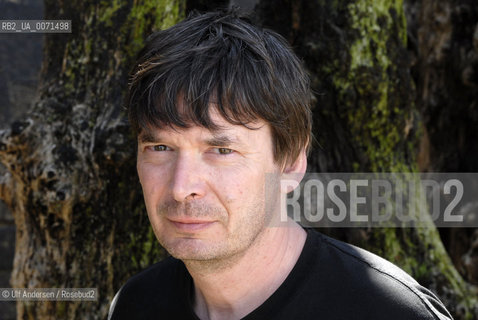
<point>191,225</point>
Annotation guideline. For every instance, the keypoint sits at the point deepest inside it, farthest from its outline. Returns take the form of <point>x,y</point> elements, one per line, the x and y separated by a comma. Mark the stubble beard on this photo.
<point>214,254</point>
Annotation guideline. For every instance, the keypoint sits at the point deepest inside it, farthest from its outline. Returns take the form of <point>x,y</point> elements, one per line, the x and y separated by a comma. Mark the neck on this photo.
<point>233,287</point>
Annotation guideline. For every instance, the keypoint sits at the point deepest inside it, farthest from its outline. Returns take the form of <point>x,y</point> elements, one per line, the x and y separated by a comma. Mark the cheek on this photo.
<point>238,187</point>
<point>152,179</point>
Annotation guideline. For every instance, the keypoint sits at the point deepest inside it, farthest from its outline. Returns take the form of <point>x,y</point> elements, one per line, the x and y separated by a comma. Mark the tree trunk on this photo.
<point>366,119</point>
<point>444,41</point>
<point>72,184</point>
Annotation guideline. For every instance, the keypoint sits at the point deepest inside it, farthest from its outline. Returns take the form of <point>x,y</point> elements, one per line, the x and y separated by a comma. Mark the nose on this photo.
<point>188,178</point>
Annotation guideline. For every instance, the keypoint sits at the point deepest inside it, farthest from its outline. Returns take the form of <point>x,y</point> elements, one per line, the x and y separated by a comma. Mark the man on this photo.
<point>220,107</point>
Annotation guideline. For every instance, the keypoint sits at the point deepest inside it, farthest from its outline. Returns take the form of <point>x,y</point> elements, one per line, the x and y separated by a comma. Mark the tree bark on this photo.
<point>72,184</point>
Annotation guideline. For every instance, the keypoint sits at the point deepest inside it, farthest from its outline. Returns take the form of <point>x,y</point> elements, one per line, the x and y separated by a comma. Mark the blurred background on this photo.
<point>396,90</point>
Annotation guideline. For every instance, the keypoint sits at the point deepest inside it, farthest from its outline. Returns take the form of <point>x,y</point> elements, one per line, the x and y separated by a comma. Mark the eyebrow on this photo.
<point>221,140</point>
<point>217,139</point>
<point>147,137</point>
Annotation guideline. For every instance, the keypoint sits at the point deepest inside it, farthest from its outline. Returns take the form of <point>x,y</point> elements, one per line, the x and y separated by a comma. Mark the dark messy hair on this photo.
<point>220,59</point>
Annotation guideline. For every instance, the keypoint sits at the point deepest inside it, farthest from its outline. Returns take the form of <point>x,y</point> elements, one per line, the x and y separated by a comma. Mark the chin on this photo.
<point>192,249</point>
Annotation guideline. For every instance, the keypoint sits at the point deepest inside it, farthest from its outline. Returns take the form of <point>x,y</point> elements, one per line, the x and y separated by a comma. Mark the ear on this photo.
<point>292,174</point>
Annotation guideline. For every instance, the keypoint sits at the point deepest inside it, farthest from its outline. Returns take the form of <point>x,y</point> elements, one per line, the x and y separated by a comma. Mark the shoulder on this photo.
<point>157,289</point>
<point>375,282</point>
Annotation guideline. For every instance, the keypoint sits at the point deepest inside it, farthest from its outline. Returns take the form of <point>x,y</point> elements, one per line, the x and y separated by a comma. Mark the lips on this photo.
<point>188,225</point>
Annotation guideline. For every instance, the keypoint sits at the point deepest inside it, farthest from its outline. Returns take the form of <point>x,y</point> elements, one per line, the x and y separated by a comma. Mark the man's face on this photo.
<point>205,191</point>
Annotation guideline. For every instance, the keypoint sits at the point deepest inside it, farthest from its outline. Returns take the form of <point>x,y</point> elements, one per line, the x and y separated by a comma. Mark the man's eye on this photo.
<point>159,147</point>
<point>224,150</point>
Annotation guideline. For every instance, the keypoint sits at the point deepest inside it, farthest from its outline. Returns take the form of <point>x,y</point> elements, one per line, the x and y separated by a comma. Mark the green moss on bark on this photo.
<point>150,15</point>
<point>378,116</point>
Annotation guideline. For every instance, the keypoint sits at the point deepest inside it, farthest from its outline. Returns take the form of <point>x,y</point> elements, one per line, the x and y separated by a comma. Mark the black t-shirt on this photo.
<point>331,280</point>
